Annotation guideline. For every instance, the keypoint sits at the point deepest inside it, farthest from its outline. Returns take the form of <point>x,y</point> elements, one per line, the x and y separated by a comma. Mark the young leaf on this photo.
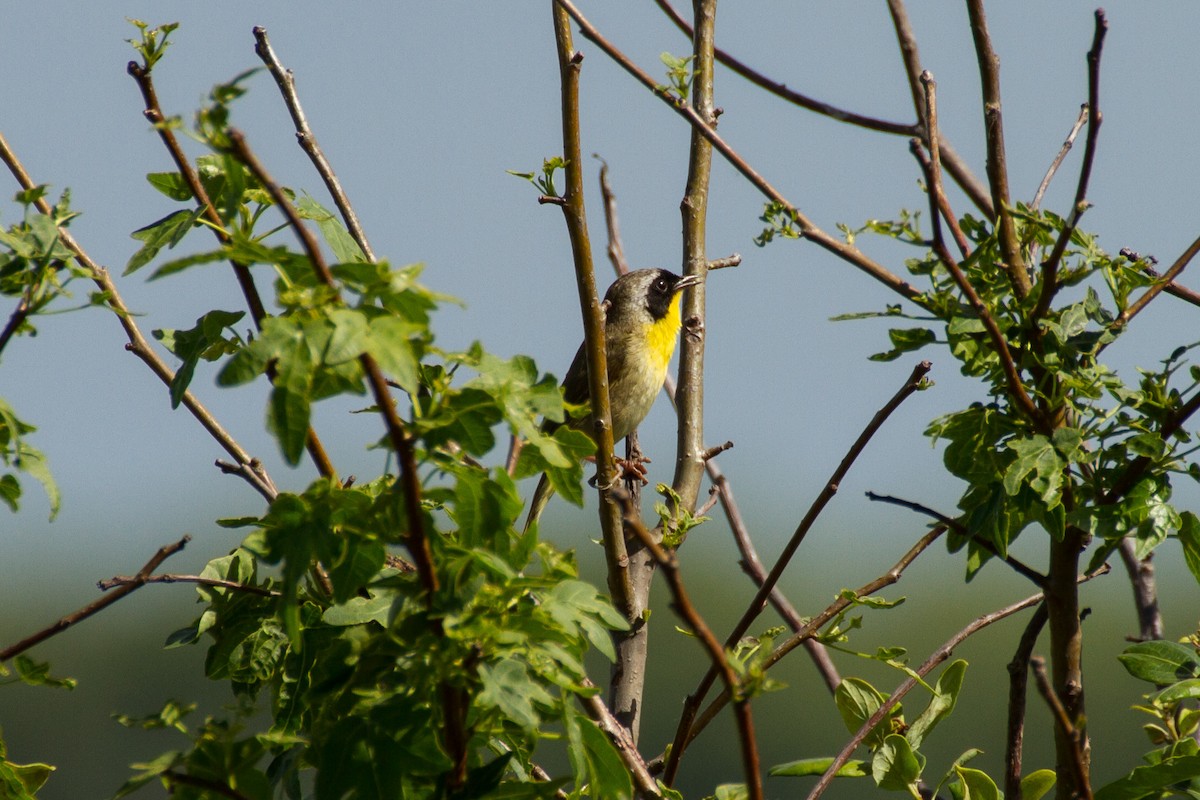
<point>1160,662</point>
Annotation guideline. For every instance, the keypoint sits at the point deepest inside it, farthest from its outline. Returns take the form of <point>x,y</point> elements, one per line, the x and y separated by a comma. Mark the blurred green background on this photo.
<point>422,108</point>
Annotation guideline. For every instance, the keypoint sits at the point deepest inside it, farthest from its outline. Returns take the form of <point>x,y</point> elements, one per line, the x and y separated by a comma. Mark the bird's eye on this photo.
<point>661,284</point>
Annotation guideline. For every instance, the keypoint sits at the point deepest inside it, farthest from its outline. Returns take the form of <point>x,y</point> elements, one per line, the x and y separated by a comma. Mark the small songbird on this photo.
<point>641,326</point>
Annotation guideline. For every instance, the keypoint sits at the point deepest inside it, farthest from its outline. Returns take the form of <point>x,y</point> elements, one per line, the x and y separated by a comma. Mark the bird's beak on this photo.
<point>688,280</point>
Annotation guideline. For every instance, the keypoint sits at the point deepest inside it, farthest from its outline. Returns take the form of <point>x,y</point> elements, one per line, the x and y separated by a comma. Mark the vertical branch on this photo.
<point>997,167</point>
<point>569,61</point>
<point>689,399</point>
<point>1018,686</point>
<point>1145,591</point>
<point>683,606</point>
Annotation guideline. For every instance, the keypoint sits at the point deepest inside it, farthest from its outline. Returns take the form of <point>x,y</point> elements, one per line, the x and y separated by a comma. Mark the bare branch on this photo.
<point>616,251</point>
<point>1145,591</point>
<point>997,167</point>
<point>308,140</point>
<point>1067,144</point>
<point>172,577</point>
<point>1018,673</point>
<point>1152,292</point>
<point>716,653</point>
<point>1173,289</point>
<point>692,704</point>
<point>808,229</point>
<point>97,605</point>
<point>575,216</point>
<point>733,260</point>
<point>1049,279</point>
<point>1063,720</point>
<point>626,748</point>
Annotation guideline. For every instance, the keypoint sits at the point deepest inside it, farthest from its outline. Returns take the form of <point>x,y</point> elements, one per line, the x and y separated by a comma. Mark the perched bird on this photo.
<point>641,325</point>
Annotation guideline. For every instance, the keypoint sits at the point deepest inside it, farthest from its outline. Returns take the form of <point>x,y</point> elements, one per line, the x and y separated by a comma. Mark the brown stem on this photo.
<point>1050,266</point>
<point>1018,672</point>
<point>99,604</point>
<point>183,779</point>
<point>308,140</point>
<point>619,735</point>
<point>682,605</point>
<point>171,577</point>
<point>1066,648</point>
<point>252,471</point>
<point>1152,292</point>
<point>689,399</point>
<point>808,229</point>
<point>692,704</point>
<point>1065,721</point>
<point>997,167</point>
<point>1173,289</point>
<point>575,216</point>
<point>1145,591</point>
<point>954,164</point>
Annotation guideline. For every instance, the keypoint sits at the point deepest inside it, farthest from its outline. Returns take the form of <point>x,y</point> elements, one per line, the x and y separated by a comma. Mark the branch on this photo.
<point>691,705</point>
<point>1152,292</point>
<point>616,251</point>
<point>183,779</point>
<point>808,229</point>
<point>937,657</point>
<point>955,165</point>
<point>997,168</point>
<point>308,140</point>
<point>1173,289</point>
<point>99,604</point>
<point>575,216</point>
<point>252,470</point>
<point>171,577</point>
<point>1037,578</point>
<point>1145,591</point>
<point>1063,721</point>
<point>716,653</point>
<point>689,401</point>
<point>1095,118</point>
<point>1018,672</point>
<point>814,626</point>
<point>619,735</point>
<point>1067,144</point>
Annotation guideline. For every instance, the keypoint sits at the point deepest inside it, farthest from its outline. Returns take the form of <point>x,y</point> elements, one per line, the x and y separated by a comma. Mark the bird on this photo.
<point>641,326</point>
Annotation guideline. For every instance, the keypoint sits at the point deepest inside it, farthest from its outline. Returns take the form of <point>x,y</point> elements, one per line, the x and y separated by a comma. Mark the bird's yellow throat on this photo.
<point>661,335</point>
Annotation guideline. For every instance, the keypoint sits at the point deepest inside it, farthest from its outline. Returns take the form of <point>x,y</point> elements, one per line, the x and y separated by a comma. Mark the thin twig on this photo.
<point>1018,673</point>
<point>732,260</point>
<point>172,577</point>
<point>99,604</point>
<point>1063,720</point>
<point>308,140</point>
<point>1016,388</point>
<point>960,239</point>
<point>616,250</point>
<point>997,167</point>
<point>1037,578</point>
<point>1050,266</point>
<point>693,701</point>
<point>683,607</point>
<point>1067,144</point>
<point>1173,289</point>
<point>937,657</point>
<point>955,165</point>
<point>251,468</point>
<point>807,228</point>
<point>810,630</point>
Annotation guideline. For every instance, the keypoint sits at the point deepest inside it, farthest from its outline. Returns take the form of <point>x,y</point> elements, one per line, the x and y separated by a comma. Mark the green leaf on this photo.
<point>579,608</point>
<point>289,411</point>
<point>856,701</point>
<point>358,610</point>
<point>207,340</point>
<point>1036,455</point>
<point>1184,690</point>
<point>594,759</point>
<point>1161,662</point>
<point>344,247</point>
<point>817,766</point>
<point>1189,537</point>
<point>1149,781</point>
<point>1035,785</point>
<point>945,696</point>
<point>166,232</point>
<point>896,767</point>
<point>22,781</point>
<point>508,688</point>
<point>905,340</point>
<point>171,184</point>
<point>37,673</point>
<point>976,784</point>
<point>393,344</point>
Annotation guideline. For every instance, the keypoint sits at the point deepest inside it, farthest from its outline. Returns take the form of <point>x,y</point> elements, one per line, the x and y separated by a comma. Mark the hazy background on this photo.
<point>421,108</point>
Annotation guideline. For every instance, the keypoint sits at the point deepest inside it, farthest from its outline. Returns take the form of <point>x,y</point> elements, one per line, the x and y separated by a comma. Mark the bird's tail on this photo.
<point>541,496</point>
